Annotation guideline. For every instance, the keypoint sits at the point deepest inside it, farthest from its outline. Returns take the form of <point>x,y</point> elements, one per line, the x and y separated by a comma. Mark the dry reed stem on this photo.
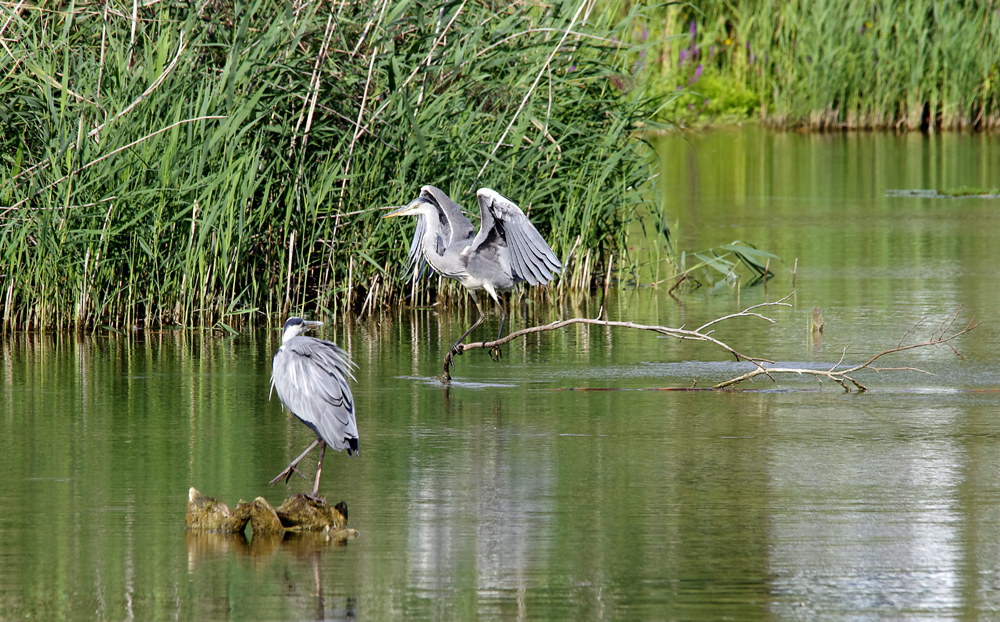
<point>531,90</point>
<point>3,42</point>
<point>108,155</point>
<point>426,61</point>
<point>181,44</point>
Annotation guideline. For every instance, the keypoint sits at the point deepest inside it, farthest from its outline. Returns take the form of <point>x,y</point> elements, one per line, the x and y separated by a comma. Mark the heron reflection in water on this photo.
<point>507,249</point>
<point>310,376</point>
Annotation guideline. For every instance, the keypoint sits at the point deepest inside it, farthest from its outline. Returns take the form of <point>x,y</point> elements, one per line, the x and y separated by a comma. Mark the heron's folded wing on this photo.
<point>313,384</point>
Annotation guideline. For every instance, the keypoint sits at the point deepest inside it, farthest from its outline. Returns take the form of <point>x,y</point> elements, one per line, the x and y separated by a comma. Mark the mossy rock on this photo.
<point>302,513</point>
<point>298,513</point>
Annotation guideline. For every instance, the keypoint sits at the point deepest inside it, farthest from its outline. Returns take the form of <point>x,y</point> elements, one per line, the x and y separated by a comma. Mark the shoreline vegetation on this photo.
<point>224,164</point>
<point>901,65</point>
<point>220,164</point>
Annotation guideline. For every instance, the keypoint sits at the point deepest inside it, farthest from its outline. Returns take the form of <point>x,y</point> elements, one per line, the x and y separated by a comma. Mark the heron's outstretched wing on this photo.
<point>531,259</point>
<point>310,376</point>
<point>455,227</point>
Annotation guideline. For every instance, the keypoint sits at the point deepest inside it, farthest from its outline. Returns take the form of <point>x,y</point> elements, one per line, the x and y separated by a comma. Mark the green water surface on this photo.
<point>514,494</point>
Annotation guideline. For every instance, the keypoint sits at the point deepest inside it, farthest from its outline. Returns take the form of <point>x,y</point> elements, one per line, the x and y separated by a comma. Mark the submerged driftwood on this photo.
<point>298,513</point>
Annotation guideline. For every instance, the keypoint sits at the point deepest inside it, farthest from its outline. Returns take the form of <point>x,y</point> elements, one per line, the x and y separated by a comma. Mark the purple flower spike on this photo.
<point>694,30</point>
<point>697,74</point>
<point>683,57</point>
<point>645,33</point>
<point>711,50</point>
<point>748,46</point>
<point>572,68</point>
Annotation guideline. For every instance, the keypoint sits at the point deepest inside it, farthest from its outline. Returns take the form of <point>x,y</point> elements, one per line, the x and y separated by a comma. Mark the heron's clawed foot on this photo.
<point>287,475</point>
<point>496,354</point>
<point>449,360</point>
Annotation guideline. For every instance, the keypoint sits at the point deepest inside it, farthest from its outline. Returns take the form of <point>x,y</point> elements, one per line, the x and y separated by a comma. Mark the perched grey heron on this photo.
<point>310,376</point>
<point>507,250</point>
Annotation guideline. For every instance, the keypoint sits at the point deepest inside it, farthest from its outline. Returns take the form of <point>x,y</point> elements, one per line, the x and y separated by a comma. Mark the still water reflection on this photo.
<point>514,493</point>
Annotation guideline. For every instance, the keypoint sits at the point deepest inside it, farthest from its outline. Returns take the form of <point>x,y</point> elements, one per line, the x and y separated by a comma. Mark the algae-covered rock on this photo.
<point>263,519</point>
<point>207,514</point>
<point>298,513</point>
<point>302,513</point>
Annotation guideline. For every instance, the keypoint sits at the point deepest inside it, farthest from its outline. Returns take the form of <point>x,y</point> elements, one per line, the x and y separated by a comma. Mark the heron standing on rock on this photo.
<point>310,376</point>
<point>506,251</point>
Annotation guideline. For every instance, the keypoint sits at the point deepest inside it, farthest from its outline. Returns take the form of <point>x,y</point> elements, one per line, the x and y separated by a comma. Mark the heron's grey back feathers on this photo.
<point>310,376</point>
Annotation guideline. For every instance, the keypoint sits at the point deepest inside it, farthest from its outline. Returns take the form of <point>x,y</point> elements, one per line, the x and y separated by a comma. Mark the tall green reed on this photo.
<point>211,164</point>
<point>831,64</point>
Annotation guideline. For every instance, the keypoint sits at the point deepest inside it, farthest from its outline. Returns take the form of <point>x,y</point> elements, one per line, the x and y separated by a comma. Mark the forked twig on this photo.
<point>942,335</point>
<point>677,333</point>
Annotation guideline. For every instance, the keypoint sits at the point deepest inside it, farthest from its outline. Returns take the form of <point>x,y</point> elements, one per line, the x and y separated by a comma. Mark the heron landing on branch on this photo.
<point>310,376</point>
<point>507,249</point>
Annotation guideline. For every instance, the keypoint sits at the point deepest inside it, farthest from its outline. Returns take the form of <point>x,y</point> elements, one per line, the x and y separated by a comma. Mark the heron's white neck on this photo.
<point>431,231</point>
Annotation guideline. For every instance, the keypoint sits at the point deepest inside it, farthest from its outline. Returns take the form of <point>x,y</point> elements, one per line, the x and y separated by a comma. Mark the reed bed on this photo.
<point>221,164</point>
<point>834,64</point>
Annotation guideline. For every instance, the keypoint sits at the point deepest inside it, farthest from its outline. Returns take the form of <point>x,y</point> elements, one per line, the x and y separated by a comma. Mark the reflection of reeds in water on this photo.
<point>204,168</point>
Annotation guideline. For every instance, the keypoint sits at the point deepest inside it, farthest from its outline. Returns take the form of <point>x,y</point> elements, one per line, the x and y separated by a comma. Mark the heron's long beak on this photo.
<point>310,324</point>
<point>406,210</point>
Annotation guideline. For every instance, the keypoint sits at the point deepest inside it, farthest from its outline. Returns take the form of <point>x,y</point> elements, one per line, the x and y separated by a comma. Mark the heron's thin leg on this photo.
<point>482,316</point>
<point>503,319</point>
<point>319,467</point>
<point>495,353</point>
<point>449,359</point>
<point>287,473</point>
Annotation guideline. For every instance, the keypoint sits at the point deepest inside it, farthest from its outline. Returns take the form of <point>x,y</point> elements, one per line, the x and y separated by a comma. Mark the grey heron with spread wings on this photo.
<point>507,249</point>
<point>310,376</point>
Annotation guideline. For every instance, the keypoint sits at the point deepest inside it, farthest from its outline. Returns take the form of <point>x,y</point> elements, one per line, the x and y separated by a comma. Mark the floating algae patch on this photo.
<point>955,193</point>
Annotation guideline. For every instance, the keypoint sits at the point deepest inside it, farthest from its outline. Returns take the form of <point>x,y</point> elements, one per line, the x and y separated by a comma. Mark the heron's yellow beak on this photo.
<point>406,210</point>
